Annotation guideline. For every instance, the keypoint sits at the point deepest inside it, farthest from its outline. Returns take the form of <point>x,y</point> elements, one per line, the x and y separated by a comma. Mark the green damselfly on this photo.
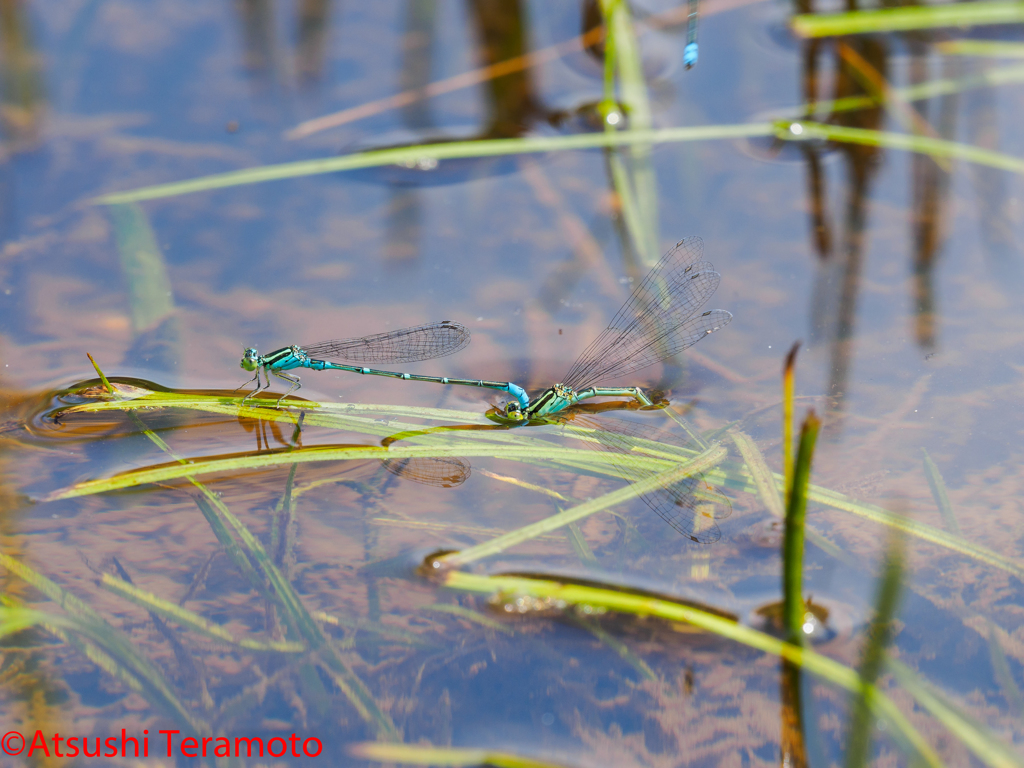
<point>406,345</point>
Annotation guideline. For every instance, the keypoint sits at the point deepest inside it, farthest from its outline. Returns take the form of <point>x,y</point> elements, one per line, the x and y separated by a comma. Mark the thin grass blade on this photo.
<point>880,634</point>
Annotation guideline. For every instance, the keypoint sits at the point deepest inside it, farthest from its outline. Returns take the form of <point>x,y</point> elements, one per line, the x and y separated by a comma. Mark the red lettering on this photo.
<point>85,747</point>
<point>145,745</point>
<point>226,746</point>
<point>189,743</point>
<point>319,746</point>
<point>170,752</point>
<point>270,747</point>
<point>41,741</point>
<point>248,746</point>
<point>124,744</point>
<point>111,744</point>
<point>56,745</point>
<point>293,739</point>
<point>72,743</point>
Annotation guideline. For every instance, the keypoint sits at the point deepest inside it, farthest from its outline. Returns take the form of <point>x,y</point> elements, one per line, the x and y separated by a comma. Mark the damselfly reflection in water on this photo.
<point>637,452</point>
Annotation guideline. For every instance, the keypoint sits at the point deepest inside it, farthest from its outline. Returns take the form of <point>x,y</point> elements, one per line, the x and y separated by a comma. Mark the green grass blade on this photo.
<point>420,754</point>
<point>916,529</point>
<point>618,646</point>
<point>176,471</point>
<point>738,478</point>
<point>938,486</point>
<point>906,18</point>
<point>99,372</point>
<point>936,148</point>
<point>468,615</point>
<point>978,738</point>
<point>187,618</point>
<point>342,416</point>
<point>991,48</point>
<point>17,619</point>
<point>788,390</point>
<point>633,180</point>
<point>1003,674</point>
<point>461,149</point>
<point>764,481</point>
<point>507,587</point>
<point>989,78</point>
<point>289,602</point>
<point>580,546</point>
<point>149,286</point>
<point>793,540</point>
<point>115,650</point>
<point>701,463</point>
<point>880,633</point>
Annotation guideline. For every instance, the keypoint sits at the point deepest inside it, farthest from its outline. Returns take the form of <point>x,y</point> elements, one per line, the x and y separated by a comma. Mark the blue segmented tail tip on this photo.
<point>690,55</point>
<point>519,394</point>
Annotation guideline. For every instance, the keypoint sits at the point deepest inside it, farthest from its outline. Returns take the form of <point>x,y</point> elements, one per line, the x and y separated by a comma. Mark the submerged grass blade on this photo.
<point>1001,669</point>
<point>938,486</point>
<point>793,541</point>
<point>513,445</point>
<point>460,149</point>
<point>986,746</point>
<point>187,618</point>
<point>618,646</point>
<point>906,18</point>
<point>738,478</point>
<point>699,464</point>
<point>114,651</point>
<point>761,473</point>
<point>289,603</point>
<point>468,615</point>
<point>880,633</point>
<point>149,285</point>
<point>916,529</point>
<point>420,754</point>
<point>580,546</point>
<point>505,587</point>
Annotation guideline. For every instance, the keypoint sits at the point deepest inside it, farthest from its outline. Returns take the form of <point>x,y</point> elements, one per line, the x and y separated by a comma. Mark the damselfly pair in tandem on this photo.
<point>661,318</point>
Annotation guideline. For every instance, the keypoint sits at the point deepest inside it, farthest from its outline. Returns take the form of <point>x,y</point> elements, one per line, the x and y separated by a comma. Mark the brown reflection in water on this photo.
<point>403,222</point>
<point>311,47</point>
<point>930,193</point>
<point>501,26</point>
<point>794,751</point>
<point>22,96</point>
<point>861,66</point>
<point>257,22</point>
<point>840,260</point>
<point>996,225</point>
<point>261,53</point>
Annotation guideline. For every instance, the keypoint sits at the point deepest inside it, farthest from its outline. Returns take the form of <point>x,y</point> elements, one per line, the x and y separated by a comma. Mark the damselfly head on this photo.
<point>514,411</point>
<point>250,359</point>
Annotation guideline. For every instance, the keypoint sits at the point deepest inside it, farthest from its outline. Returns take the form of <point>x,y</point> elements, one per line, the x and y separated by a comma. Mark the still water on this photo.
<point>292,560</point>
